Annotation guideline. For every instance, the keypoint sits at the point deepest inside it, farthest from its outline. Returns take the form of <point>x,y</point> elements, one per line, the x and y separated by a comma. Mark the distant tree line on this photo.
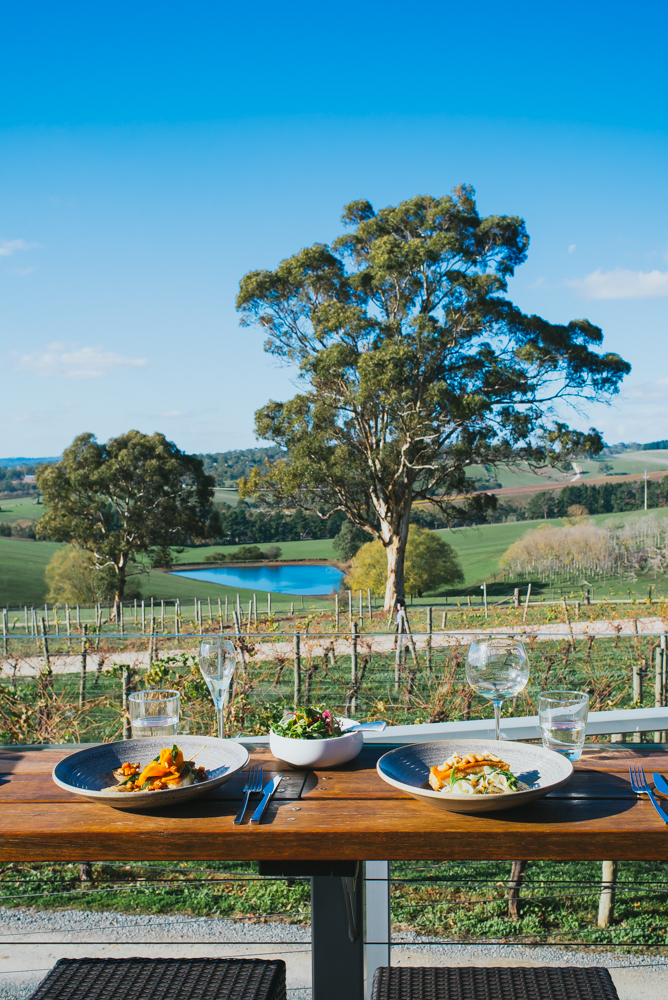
<point>12,480</point>
<point>245,524</point>
<point>608,498</point>
<point>228,466</point>
<point>655,446</point>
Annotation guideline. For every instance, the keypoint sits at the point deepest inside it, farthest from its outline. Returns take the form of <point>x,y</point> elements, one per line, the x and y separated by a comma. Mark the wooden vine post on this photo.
<point>514,885</point>
<point>297,669</point>
<point>606,904</point>
<point>82,676</point>
<point>352,699</point>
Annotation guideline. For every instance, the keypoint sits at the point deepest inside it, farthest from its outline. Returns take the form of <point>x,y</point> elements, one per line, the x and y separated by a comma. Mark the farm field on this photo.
<point>632,463</point>
<point>22,565</point>
<point>23,508</point>
<point>310,548</point>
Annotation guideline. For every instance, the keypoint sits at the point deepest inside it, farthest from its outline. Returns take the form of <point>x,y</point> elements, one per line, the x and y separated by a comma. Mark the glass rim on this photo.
<point>563,696</point>
<point>167,694</point>
<point>498,638</point>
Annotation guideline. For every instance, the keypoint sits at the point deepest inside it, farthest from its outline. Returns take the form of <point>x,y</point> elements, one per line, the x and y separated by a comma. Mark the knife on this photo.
<point>655,802</point>
<point>660,784</point>
<point>268,791</point>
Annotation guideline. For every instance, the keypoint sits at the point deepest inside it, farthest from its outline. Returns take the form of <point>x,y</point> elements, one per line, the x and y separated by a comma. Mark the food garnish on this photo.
<point>309,724</point>
<point>474,774</point>
<point>167,770</point>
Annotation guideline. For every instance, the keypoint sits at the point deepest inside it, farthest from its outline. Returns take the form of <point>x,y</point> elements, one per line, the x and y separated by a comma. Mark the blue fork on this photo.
<point>640,787</point>
<point>254,784</point>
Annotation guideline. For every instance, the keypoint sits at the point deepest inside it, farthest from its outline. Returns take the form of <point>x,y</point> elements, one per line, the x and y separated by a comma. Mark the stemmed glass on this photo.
<point>497,668</point>
<point>217,660</point>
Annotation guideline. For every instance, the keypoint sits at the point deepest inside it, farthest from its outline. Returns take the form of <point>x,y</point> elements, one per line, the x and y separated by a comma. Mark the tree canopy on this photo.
<point>430,563</point>
<point>130,496</point>
<point>414,366</point>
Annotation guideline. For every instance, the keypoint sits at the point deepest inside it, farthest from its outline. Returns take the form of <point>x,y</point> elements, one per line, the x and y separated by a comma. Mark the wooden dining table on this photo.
<point>325,824</point>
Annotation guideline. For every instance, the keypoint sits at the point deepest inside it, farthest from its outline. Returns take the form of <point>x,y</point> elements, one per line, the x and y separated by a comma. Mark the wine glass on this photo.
<point>497,668</point>
<point>217,660</point>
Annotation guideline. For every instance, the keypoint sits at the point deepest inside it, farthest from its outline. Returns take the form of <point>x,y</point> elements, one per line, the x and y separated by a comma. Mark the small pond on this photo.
<point>286,579</point>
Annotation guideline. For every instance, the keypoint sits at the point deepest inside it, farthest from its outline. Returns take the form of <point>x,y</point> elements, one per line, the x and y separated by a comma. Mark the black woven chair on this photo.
<point>492,984</point>
<point>163,979</point>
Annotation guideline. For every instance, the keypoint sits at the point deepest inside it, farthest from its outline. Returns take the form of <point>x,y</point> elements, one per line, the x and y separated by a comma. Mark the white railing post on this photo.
<point>377,911</point>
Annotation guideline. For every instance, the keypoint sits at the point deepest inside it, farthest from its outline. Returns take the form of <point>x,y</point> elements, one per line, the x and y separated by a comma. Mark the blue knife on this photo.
<point>660,784</point>
<point>268,791</point>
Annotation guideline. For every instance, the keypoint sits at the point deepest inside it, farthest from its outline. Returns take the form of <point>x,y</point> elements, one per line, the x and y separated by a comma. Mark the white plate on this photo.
<point>89,772</point>
<point>407,768</point>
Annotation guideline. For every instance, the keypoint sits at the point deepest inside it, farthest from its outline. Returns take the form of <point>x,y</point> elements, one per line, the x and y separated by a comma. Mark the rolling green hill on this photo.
<point>22,563</point>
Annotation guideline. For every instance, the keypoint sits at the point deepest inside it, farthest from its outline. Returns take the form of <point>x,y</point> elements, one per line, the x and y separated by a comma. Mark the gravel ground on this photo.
<point>638,976</point>
<point>467,954</point>
<point>88,926</point>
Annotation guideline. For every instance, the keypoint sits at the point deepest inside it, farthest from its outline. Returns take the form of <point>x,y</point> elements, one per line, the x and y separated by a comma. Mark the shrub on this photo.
<point>430,563</point>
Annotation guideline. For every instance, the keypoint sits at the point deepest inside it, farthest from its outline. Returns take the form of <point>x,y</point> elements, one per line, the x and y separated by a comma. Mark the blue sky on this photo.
<point>152,154</point>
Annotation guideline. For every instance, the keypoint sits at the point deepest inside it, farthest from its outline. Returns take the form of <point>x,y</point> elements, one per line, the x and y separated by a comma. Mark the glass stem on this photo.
<point>497,720</point>
<point>220,712</point>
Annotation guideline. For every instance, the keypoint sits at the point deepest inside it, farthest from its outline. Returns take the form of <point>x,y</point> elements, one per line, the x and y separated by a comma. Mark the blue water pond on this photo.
<point>286,579</point>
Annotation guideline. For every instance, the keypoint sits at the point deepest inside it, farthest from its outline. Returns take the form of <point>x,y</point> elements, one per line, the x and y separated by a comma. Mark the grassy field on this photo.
<point>450,899</point>
<point>480,549</point>
<point>22,564</point>
<point>631,463</point>
<point>23,508</point>
<point>316,548</point>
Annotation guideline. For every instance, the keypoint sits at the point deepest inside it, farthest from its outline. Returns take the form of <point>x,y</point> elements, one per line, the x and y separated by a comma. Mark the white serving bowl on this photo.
<point>316,753</point>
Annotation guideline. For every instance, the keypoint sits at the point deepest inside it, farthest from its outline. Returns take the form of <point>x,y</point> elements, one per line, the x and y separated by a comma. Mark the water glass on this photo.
<point>497,668</point>
<point>217,660</point>
<point>563,721</point>
<point>154,713</point>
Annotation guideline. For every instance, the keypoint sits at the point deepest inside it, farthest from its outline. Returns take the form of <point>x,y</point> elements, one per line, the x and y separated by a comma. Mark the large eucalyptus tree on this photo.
<point>414,366</point>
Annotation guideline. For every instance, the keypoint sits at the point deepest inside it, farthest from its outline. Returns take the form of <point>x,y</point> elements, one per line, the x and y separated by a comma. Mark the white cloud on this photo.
<point>60,360</point>
<point>622,284</point>
<point>9,247</point>
<point>639,413</point>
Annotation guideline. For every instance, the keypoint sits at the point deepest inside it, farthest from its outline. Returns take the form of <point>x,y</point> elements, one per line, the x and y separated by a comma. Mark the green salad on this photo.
<point>308,724</point>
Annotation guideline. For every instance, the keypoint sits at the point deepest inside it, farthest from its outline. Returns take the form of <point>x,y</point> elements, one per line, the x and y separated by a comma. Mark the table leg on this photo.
<point>377,910</point>
<point>337,937</point>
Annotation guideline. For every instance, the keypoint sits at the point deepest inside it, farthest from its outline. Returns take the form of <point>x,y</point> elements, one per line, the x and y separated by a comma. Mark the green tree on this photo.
<point>72,576</point>
<point>430,563</point>
<point>349,540</point>
<point>126,498</point>
<point>543,504</point>
<point>414,366</point>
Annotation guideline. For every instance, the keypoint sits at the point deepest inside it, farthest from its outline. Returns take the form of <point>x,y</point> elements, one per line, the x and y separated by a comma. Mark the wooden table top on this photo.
<point>347,813</point>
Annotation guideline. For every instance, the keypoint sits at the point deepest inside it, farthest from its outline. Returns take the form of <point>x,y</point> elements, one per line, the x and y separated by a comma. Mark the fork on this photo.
<point>254,784</point>
<point>640,787</point>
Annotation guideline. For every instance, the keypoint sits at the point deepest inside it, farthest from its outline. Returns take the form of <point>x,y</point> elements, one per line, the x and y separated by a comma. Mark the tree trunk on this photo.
<point>120,591</point>
<point>395,536</point>
<point>514,886</point>
<point>606,904</point>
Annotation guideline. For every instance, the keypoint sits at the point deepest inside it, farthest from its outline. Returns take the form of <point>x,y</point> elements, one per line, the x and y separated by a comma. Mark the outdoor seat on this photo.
<point>163,979</point>
<point>467,983</point>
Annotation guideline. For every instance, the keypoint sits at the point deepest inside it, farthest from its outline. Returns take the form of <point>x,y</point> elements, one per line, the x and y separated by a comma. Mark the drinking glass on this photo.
<point>217,660</point>
<point>154,713</point>
<point>563,721</point>
<point>497,669</point>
